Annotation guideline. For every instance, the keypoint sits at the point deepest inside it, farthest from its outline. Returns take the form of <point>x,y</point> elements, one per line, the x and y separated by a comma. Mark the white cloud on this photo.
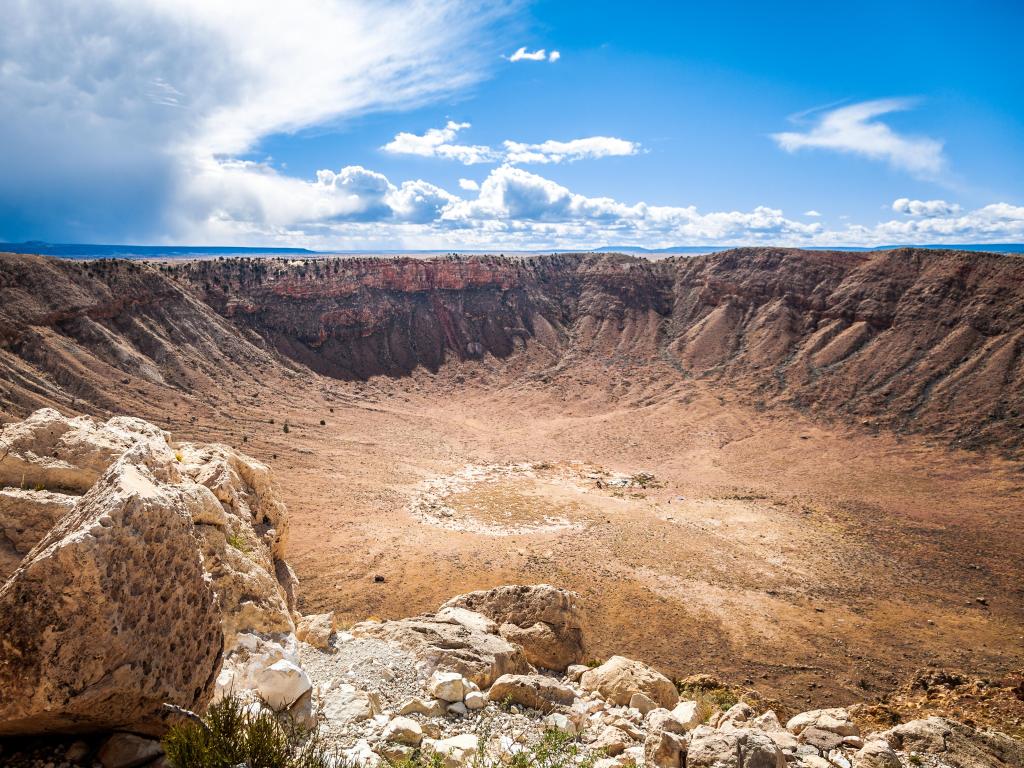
<point>539,55</point>
<point>438,142</point>
<point>469,185</point>
<point>516,209</point>
<point>109,106</point>
<point>568,151</point>
<point>854,129</point>
<point>812,213</point>
<point>924,207</point>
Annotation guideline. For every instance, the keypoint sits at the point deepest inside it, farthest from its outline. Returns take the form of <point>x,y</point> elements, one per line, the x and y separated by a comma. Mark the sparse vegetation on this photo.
<point>238,543</point>
<point>645,480</point>
<point>232,733</point>
<point>709,694</point>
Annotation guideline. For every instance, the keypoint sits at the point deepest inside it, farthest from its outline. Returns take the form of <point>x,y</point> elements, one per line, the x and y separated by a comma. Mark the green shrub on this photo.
<point>230,734</point>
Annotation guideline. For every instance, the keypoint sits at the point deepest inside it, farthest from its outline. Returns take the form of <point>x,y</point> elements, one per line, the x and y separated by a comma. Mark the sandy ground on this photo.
<point>810,562</point>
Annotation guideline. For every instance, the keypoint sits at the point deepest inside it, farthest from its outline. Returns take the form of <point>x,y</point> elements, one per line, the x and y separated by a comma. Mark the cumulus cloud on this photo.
<point>468,185</point>
<point>114,111</point>
<point>439,142</point>
<point>812,213</point>
<point>853,129</point>
<point>516,209</point>
<point>924,207</point>
<point>539,55</point>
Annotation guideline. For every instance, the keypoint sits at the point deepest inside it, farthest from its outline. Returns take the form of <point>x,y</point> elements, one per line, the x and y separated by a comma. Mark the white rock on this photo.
<point>455,751</point>
<point>642,703</point>
<point>362,756</point>
<point>447,686</point>
<point>427,707</point>
<point>344,703</point>
<point>282,683</point>
<point>559,722</point>
<point>475,700</point>
<point>686,713</point>
<point>403,730</point>
<point>836,720</point>
<point>458,708</point>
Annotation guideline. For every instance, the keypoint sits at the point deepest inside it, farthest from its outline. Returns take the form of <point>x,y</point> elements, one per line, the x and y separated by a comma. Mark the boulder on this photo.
<point>403,730</point>
<point>448,686</point>
<point>740,748</point>
<point>533,691</point>
<point>544,620</point>
<point>445,644</point>
<point>664,749</point>
<point>455,751</point>
<point>427,707</point>
<point>611,740</point>
<point>687,713</point>
<point>836,720</point>
<point>619,678</point>
<point>137,589</point>
<point>876,753</point>
<point>642,703</point>
<point>475,700</point>
<point>26,515</point>
<point>281,684</point>
<point>95,636</point>
<point>736,716</point>
<point>344,703</point>
<point>316,629</point>
<point>959,745</point>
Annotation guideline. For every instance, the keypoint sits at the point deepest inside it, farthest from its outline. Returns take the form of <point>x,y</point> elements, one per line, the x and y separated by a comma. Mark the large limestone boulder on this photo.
<point>619,678</point>
<point>740,748</point>
<point>533,691</point>
<point>147,573</point>
<point>544,620</point>
<point>450,644</point>
<point>959,745</point>
<point>95,635</point>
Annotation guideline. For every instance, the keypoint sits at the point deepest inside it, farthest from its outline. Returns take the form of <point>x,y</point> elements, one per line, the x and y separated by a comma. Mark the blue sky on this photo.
<point>411,124</point>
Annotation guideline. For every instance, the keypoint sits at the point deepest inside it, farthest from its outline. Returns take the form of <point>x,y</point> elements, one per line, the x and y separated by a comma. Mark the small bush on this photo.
<point>238,543</point>
<point>230,734</point>
<point>286,429</point>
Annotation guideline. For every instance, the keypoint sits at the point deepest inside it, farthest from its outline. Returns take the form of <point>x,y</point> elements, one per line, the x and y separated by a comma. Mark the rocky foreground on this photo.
<point>141,573</point>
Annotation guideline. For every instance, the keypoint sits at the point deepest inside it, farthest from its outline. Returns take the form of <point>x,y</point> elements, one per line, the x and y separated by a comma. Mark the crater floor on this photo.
<point>805,560</point>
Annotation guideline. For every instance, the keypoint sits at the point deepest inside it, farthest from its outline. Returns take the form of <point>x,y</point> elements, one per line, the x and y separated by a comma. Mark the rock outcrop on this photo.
<point>544,620</point>
<point>148,566</point>
<point>619,679</point>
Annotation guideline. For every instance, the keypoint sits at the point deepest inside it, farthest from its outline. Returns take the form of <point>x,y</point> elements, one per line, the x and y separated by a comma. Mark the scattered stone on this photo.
<point>686,712</point>
<point>558,721</point>
<point>455,751</point>
<point>876,753</point>
<point>448,686</point>
<point>458,708</point>
<point>619,678</point>
<point>475,700</point>
<point>282,683</point>
<point>428,708</point>
<point>403,730</point>
<point>575,671</point>
<point>533,691</point>
<point>346,704</point>
<point>316,629</point>
<point>612,741</point>
<point>77,752</point>
<point>737,716</point>
<point>664,749</point>
<point>642,703</point>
